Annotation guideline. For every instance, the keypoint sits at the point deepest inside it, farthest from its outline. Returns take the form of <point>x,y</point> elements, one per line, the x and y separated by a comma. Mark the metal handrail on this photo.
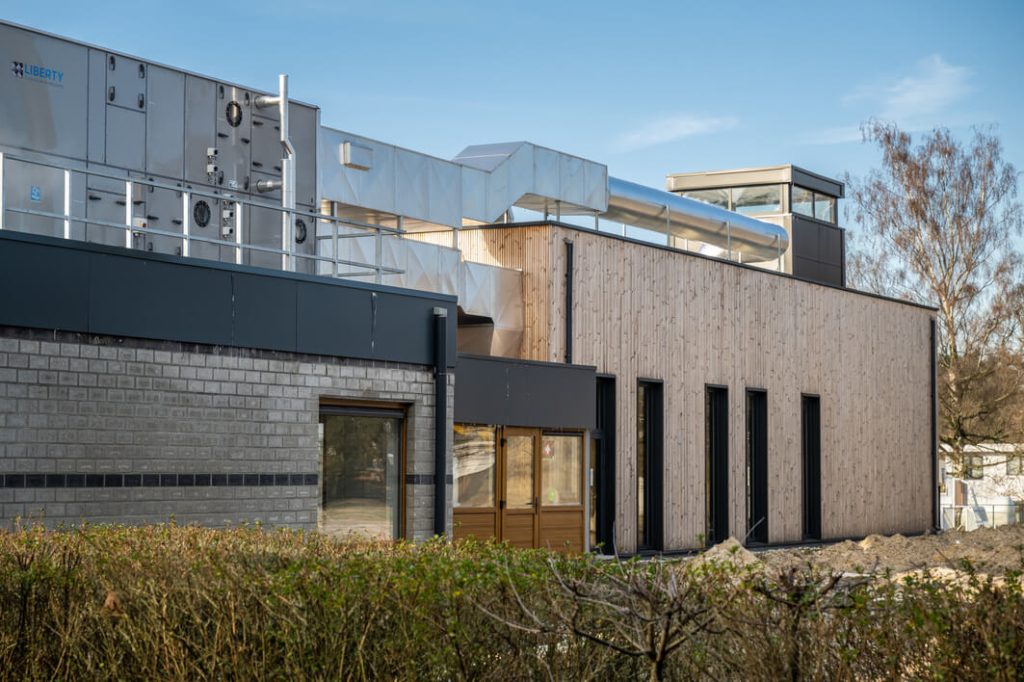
<point>289,256</point>
<point>1010,514</point>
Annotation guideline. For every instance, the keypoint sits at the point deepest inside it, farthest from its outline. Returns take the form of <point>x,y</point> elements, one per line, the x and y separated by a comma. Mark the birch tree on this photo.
<point>940,222</point>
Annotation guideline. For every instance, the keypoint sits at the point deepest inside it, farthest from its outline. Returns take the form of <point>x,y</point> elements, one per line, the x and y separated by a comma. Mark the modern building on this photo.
<point>219,310</point>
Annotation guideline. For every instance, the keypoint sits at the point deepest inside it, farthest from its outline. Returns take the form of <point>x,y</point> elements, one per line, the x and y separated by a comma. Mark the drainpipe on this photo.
<point>287,182</point>
<point>936,472</point>
<point>568,300</point>
<point>440,421</point>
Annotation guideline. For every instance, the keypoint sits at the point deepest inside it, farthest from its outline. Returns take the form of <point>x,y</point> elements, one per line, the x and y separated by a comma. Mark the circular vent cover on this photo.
<point>234,114</point>
<point>201,213</point>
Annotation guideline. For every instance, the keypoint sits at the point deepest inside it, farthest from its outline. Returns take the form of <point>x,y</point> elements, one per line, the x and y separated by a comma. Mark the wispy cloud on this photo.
<point>914,101</point>
<point>673,128</point>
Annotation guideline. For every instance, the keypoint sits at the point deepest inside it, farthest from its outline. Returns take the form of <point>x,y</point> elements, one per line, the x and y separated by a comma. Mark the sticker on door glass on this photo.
<point>35,193</point>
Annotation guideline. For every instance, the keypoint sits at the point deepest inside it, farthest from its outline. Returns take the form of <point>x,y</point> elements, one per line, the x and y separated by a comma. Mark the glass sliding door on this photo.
<point>362,459</point>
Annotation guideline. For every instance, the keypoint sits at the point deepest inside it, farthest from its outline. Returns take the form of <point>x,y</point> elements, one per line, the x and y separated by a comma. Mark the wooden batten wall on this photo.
<point>641,311</point>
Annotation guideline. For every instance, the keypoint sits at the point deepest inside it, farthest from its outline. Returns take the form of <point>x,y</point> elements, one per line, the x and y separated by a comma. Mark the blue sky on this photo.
<point>646,88</point>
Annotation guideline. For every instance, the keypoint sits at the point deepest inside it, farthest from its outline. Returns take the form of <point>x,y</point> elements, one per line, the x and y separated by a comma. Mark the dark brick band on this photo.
<point>423,479</point>
<point>152,480</point>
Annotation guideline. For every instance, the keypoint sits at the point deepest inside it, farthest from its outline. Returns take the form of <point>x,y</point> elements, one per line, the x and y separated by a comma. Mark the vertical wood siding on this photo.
<point>647,312</point>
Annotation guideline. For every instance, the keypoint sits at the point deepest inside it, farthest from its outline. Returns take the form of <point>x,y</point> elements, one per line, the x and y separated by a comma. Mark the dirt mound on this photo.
<point>991,551</point>
<point>731,551</point>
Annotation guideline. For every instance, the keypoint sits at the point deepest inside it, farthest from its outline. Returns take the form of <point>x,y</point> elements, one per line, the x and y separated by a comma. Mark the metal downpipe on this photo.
<point>441,421</point>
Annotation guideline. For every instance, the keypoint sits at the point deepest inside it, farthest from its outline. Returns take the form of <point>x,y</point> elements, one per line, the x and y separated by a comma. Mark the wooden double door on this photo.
<point>539,492</point>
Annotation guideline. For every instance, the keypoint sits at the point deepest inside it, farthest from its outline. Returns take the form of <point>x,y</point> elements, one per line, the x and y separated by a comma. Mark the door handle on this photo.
<point>501,504</point>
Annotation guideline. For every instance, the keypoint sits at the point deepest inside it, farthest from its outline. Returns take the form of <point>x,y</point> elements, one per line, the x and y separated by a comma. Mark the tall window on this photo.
<point>474,455</point>
<point>649,465</point>
<point>810,441</point>
<point>361,451</point>
<point>602,463</point>
<point>757,466</point>
<point>561,470</point>
<point>716,465</point>
<point>974,466</point>
<point>1015,465</point>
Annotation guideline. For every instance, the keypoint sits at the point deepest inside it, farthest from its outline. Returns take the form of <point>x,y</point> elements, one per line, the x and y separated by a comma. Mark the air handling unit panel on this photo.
<point>43,94</point>
<point>110,119</point>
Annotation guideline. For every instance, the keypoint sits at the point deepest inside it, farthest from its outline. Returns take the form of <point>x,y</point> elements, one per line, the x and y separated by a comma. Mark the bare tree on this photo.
<point>939,222</point>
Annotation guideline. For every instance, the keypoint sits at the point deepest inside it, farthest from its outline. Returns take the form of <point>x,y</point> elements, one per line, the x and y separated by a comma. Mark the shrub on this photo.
<point>170,602</point>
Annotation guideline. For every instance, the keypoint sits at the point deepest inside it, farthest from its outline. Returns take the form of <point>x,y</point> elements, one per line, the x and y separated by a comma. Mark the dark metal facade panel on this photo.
<point>397,321</point>
<point>149,299</point>
<point>73,286</point>
<point>818,251</point>
<point>521,393</point>
<point>819,183</point>
<point>333,320</point>
<point>264,313</point>
<point>49,297</point>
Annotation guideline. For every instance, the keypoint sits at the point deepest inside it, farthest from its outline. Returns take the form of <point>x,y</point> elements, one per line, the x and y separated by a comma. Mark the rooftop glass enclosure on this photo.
<point>804,203</point>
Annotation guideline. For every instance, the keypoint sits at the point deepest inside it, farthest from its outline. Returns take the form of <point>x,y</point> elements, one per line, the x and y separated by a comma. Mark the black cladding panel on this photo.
<point>151,299</point>
<point>264,313</point>
<point>43,287</point>
<point>333,320</point>
<point>91,288</point>
<point>510,392</point>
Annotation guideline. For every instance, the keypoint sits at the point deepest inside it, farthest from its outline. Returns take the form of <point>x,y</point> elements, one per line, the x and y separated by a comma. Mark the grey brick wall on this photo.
<point>80,408</point>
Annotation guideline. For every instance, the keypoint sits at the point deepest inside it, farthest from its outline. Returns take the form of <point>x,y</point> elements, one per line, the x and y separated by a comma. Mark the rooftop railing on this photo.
<point>327,231</point>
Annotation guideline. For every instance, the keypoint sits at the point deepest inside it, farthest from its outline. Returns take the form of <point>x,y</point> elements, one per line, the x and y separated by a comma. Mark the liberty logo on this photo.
<point>43,74</point>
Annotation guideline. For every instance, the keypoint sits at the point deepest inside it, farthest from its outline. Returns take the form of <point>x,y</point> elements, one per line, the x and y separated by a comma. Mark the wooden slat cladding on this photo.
<point>644,312</point>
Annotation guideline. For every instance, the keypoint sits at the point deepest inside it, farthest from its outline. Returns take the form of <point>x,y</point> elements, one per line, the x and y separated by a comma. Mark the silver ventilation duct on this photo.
<point>684,218</point>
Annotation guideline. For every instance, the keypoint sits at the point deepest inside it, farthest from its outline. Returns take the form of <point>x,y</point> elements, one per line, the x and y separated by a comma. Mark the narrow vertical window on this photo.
<point>649,465</point>
<point>757,467</point>
<point>602,462</point>
<point>810,441</point>
<point>716,465</point>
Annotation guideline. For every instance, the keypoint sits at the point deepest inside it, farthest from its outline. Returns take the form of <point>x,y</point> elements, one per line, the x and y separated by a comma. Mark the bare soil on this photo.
<point>991,551</point>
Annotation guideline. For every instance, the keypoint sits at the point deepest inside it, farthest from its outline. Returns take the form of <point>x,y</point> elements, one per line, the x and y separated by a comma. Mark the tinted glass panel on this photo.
<point>824,207</point>
<point>474,455</point>
<point>595,445</point>
<point>641,463</point>
<point>718,197</point>
<point>802,201</point>
<point>561,465</point>
<point>362,463</point>
<point>757,200</point>
<point>519,472</point>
